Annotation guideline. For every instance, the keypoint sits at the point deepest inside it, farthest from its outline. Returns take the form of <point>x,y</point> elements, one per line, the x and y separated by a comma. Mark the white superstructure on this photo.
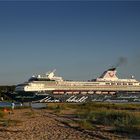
<point>107,82</point>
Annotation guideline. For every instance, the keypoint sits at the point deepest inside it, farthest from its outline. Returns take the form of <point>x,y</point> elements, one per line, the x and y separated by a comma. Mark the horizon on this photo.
<point>79,39</point>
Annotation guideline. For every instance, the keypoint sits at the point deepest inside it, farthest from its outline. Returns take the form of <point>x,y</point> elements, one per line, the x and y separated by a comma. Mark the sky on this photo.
<point>80,39</point>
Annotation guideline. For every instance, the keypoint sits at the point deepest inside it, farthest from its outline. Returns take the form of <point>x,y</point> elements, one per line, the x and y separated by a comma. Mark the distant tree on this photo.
<point>4,90</point>
<point>7,88</point>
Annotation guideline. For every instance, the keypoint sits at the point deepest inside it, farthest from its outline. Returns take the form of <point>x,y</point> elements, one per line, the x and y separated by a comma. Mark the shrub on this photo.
<point>116,118</point>
<point>85,124</point>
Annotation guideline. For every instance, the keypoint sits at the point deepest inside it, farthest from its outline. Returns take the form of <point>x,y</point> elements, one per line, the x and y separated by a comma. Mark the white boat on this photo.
<point>57,87</point>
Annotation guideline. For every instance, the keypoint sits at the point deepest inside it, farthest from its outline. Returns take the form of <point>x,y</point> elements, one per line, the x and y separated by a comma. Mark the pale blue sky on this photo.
<point>78,39</point>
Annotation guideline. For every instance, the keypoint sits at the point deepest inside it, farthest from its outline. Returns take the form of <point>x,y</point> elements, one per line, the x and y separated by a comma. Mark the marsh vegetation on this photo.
<point>115,118</point>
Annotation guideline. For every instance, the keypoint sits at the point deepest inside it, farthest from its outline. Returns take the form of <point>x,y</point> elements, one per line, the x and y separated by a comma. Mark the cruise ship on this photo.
<point>50,88</point>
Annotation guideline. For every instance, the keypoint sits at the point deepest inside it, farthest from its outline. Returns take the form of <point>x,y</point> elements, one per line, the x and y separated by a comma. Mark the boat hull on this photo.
<point>118,97</point>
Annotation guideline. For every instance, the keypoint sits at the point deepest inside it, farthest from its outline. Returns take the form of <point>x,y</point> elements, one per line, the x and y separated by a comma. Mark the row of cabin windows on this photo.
<point>101,84</point>
<point>90,84</point>
<point>119,84</point>
<point>112,84</point>
<point>42,79</point>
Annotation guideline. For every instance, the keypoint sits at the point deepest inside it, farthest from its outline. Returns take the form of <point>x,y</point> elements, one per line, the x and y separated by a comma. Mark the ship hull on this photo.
<point>81,97</point>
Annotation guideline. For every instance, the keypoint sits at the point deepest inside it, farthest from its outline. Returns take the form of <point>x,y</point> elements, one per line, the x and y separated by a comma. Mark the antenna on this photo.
<point>51,74</point>
<point>132,76</point>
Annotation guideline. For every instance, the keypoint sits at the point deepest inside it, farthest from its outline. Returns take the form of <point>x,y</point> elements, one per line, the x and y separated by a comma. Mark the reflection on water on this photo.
<point>119,98</point>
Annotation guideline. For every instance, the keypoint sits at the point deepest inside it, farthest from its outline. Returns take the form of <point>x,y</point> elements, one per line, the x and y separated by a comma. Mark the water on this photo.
<point>33,105</point>
<point>8,104</point>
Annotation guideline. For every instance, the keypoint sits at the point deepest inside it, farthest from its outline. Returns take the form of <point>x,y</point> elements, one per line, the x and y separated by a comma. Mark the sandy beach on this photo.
<point>38,125</point>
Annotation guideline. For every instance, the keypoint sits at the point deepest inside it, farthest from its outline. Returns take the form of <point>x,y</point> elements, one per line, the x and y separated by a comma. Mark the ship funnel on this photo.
<point>112,69</point>
<point>109,74</point>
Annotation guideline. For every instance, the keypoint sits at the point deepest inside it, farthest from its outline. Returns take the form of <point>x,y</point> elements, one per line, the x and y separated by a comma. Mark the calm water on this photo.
<point>8,104</point>
<point>33,105</point>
